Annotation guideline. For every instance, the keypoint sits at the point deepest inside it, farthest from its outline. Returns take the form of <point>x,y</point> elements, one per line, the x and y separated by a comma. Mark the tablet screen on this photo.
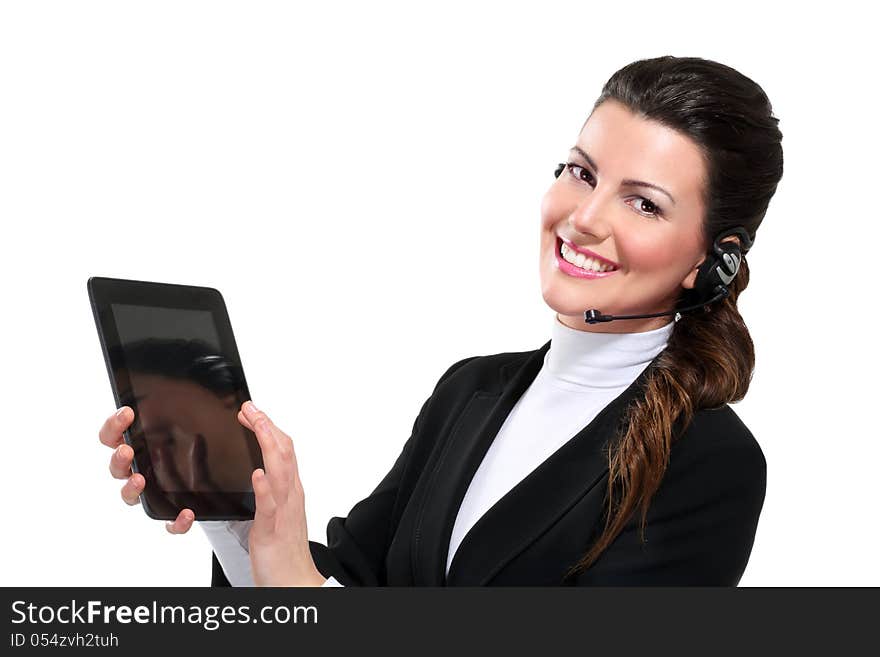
<point>187,394</point>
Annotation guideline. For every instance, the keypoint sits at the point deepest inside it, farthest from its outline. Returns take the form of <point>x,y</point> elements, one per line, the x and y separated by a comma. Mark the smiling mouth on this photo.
<point>580,261</point>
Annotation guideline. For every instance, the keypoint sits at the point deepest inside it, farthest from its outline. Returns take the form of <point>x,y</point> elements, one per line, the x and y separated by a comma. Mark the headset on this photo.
<point>714,275</point>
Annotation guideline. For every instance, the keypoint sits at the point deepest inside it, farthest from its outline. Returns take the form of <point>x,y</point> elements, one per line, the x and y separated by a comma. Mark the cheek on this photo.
<point>551,209</point>
<point>649,250</point>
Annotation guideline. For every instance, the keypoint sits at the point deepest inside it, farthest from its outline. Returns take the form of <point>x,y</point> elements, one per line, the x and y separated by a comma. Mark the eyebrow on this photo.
<point>628,181</point>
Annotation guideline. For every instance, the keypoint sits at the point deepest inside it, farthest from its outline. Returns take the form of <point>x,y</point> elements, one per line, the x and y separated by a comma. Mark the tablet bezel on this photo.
<point>157,503</point>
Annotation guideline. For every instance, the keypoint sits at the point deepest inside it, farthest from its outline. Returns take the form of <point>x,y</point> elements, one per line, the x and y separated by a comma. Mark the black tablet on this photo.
<point>172,358</point>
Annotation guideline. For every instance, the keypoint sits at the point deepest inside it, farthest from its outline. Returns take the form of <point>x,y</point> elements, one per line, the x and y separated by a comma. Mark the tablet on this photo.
<point>172,358</point>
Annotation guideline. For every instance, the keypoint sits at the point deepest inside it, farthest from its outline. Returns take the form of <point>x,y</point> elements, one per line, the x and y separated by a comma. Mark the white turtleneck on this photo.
<point>583,371</point>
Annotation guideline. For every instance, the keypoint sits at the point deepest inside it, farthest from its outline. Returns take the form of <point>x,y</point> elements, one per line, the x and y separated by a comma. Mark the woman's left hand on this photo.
<point>279,538</point>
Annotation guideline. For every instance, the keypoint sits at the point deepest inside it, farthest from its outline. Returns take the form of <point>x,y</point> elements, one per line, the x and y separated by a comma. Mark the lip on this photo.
<point>589,254</point>
<point>566,267</point>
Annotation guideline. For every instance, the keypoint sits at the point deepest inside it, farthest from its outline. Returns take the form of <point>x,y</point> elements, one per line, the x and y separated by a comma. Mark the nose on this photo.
<point>591,217</point>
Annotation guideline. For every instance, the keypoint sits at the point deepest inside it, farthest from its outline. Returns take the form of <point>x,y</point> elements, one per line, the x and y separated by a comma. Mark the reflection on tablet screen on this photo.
<point>186,395</point>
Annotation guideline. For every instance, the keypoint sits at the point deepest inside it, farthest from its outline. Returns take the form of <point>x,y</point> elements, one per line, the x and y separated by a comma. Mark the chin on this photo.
<point>561,303</point>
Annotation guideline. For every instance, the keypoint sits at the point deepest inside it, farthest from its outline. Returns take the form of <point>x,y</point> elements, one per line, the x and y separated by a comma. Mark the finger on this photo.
<point>277,468</point>
<point>279,465</point>
<point>182,523</point>
<point>244,421</point>
<point>264,502</point>
<point>288,454</point>
<point>111,432</point>
<point>285,444</point>
<point>289,472</point>
<point>132,489</point>
<point>120,462</point>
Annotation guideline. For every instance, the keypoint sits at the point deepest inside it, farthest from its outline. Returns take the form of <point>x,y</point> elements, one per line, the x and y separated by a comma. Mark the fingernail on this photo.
<point>120,412</point>
<point>251,407</point>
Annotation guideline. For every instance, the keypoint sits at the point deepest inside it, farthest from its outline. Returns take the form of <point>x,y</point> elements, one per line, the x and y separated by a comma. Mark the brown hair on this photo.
<point>710,357</point>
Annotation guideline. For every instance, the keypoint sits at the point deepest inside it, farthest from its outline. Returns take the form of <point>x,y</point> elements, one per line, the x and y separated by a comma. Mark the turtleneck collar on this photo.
<point>582,361</point>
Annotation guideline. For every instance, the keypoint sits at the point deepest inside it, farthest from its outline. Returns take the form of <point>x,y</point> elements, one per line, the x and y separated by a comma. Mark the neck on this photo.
<point>586,360</point>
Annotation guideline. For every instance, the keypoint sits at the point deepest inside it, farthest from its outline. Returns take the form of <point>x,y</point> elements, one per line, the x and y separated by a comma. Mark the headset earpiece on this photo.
<point>722,264</point>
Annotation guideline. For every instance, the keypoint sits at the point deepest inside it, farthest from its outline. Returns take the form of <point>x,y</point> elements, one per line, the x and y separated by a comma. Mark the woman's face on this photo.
<point>654,241</point>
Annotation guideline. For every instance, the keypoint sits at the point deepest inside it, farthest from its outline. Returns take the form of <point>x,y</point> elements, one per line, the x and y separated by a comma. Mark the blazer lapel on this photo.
<point>530,507</point>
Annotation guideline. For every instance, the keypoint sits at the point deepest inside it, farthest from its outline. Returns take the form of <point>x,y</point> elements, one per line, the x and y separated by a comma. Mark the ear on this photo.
<point>691,278</point>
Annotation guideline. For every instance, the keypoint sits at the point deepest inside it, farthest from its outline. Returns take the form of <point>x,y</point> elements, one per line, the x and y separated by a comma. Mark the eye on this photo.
<point>577,171</point>
<point>571,166</point>
<point>656,211</point>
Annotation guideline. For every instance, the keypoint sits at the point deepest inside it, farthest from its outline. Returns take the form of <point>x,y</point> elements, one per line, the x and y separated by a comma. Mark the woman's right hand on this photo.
<point>120,467</point>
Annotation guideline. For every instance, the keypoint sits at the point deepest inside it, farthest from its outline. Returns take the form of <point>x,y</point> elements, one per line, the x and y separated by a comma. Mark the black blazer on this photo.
<point>700,526</point>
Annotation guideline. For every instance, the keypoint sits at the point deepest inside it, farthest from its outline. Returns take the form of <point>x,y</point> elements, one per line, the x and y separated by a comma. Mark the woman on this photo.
<point>610,455</point>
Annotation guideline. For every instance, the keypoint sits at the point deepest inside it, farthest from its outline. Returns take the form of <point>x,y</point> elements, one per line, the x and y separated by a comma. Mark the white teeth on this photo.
<point>580,260</point>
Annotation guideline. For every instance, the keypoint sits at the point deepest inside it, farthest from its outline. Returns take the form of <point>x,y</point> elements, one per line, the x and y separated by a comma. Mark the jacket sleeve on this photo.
<point>357,544</point>
<point>218,577</point>
<point>702,521</point>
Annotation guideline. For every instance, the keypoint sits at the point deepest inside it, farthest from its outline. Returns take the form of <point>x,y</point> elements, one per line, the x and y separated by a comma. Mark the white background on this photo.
<point>339,171</point>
